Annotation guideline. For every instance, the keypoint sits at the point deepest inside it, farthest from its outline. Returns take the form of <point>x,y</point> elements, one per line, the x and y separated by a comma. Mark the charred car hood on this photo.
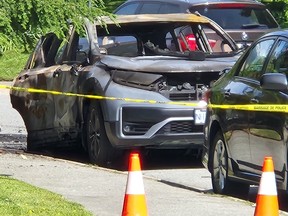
<point>167,64</point>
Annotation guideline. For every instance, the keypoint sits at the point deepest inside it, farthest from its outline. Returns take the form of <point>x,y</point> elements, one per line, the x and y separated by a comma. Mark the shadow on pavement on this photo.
<point>150,160</point>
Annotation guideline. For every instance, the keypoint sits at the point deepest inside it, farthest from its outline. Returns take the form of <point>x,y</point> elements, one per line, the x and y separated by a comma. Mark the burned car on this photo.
<point>136,82</point>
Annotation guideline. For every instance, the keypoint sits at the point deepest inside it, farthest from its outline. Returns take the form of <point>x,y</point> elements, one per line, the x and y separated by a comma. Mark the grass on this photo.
<point>11,63</point>
<point>19,198</point>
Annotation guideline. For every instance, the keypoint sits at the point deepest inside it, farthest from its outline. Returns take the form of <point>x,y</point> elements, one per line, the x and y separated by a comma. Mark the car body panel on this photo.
<point>142,95</point>
<point>257,134</point>
<point>152,64</point>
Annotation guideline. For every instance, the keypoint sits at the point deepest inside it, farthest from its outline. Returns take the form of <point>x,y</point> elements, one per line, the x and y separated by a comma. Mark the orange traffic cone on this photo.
<point>267,200</point>
<point>134,200</point>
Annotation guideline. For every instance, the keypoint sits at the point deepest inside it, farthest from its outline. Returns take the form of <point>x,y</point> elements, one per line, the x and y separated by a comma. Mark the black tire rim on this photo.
<point>220,165</point>
<point>94,134</point>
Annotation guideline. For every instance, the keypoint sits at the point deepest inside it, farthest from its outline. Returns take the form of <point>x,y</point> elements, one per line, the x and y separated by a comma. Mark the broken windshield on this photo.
<point>168,38</point>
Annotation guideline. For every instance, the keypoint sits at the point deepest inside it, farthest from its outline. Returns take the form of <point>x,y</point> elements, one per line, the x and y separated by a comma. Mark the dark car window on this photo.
<point>159,8</point>
<point>150,8</point>
<point>253,65</point>
<point>169,8</point>
<point>239,18</point>
<point>278,62</point>
<point>128,9</point>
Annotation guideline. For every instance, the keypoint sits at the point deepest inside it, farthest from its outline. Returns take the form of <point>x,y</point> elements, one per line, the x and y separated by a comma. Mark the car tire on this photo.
<point>30,146</point>
<point>99,148</point>
<point>220,181</point>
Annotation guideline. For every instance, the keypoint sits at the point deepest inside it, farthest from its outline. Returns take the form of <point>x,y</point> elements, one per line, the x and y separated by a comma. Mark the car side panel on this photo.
<point>234,122</point>
<point>65,79</point>
<point>268,132</point>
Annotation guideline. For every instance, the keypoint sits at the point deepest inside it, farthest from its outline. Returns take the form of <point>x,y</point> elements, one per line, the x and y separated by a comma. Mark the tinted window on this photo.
<point>239,18</point>
<point>278,62</point>
<point>253,65</point>
<point>169,8</point>
<point>159,8</point>
<point>128,9</point>
<point>150,8</point>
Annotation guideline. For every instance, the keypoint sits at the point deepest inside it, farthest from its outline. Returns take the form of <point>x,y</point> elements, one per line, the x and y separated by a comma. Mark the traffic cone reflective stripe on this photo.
<point>266,179</point>
<point>267,200</point>
<point>135,182</point>
<point>134,200</point>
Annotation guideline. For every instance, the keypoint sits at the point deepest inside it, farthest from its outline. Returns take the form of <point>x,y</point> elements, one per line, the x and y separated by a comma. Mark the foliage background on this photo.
<point>22,22</point>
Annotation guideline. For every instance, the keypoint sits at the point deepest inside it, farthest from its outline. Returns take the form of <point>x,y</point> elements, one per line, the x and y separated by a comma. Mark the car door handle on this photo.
<point>74,70</point>
<point>57,73</point>
<point>254,101</point>
<point>227,93</point>
<point>24,77</point>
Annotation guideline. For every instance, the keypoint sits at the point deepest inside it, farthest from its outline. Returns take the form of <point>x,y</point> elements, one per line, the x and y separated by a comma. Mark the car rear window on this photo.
<point>162,8</point>
<point>238,17</point>
<point>128,9</point>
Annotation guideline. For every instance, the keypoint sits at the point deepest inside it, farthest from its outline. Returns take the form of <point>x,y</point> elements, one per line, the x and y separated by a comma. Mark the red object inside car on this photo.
<point>191,42</point>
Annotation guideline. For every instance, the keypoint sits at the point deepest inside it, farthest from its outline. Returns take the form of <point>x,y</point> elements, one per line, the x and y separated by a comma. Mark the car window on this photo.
<point>163,38</point>
<point>190,39</point>
<point>278,62</point>
<point>216,41</point>
<point>149,8</point>
<point>159,8</point>
<point>45,52</point>
<point>119,45</point>
<point>252,67</point>
<point>169,8</point>
<point>239,18</point>
<point>128,9</point>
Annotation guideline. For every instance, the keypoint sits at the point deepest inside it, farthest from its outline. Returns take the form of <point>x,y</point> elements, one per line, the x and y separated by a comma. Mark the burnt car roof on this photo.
<point>129,24</point>
<point>154,18</point>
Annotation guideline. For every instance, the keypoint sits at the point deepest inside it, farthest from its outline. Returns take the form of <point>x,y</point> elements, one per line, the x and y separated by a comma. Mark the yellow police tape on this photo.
<point>263,107</point>
<point>249,107</point>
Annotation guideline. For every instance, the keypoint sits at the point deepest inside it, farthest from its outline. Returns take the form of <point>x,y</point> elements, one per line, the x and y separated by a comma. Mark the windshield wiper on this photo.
<point>254,25</point>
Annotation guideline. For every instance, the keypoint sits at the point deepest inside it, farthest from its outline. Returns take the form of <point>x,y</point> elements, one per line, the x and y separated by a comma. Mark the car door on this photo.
<point>72,61</point>
<point>240,91</point>
<point>35,106</point>
<point>267,135</point>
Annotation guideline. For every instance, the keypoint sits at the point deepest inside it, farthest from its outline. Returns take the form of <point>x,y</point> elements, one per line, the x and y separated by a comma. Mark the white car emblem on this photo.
<point>244,36</point>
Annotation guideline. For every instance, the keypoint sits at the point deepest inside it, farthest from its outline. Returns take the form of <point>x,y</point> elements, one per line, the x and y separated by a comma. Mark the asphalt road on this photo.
<point>177,186</point>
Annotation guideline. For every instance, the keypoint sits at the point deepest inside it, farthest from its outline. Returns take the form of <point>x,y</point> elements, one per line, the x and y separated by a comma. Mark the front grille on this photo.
<point>184,92</point>
<point>182,96</point>
<point>180,127</point>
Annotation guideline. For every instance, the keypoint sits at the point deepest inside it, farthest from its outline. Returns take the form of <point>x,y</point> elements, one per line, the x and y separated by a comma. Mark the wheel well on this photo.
<point>91,87</point>
<point>214,128</point>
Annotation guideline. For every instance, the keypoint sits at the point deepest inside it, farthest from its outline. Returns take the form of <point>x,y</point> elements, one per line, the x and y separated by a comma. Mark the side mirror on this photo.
<point>274,81</point>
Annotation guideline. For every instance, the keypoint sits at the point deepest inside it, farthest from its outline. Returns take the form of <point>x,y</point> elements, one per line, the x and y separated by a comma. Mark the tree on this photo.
<point>279,10</point>
<point>112,5</point>
<point>23,22</point>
